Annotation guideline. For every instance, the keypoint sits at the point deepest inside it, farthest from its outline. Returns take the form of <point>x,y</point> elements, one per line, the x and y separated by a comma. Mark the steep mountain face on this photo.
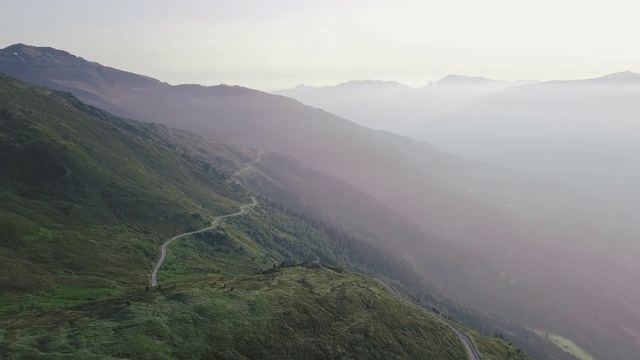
<point>572,262</point>
<point>515,297</point>
<point>87,199</point>
<point>380,239</point>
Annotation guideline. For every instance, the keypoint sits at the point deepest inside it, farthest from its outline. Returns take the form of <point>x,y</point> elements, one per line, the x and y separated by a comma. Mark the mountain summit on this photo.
<point>39,56</point>
<point>61,70</point>
<point>622,74</point>
<point>467,80</point>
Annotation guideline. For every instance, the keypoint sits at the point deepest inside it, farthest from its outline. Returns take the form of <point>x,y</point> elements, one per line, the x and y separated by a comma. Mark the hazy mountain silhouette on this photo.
<point>583,133</point>
<point>542,237</point>
<point>587,126</point>
<point>453,79</point>
<point>392,106</point>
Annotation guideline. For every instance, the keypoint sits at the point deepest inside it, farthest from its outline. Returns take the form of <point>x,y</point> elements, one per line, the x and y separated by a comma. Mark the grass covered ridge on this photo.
<point>294,313</point>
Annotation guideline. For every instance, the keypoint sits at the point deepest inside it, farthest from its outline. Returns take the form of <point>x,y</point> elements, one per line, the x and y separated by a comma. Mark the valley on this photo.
<point>370,179</point>
<point>490,246</point>
<point>115,188</point>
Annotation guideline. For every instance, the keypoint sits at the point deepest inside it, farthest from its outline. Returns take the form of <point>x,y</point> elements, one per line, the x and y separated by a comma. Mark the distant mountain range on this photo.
<point>559,261</point>
<point>587,126</point>
<point>393,106</point>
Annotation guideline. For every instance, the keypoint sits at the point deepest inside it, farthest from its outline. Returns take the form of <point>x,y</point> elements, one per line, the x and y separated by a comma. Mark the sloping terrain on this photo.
<point>87,200</point>
<point>559,267</point>
<point>296,313</point>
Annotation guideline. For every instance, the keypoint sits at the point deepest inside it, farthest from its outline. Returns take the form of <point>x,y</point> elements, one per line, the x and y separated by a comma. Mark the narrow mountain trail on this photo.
<point>468,344</point>
<point>214,223</point>
<point>248,166</point>
<point>466,341</point>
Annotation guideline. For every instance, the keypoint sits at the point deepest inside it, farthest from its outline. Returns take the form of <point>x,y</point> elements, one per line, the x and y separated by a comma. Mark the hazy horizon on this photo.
<point>281,44</point>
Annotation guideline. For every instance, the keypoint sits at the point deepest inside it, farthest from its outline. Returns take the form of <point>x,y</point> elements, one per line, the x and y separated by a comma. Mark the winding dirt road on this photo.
<point>468,344</point>
<point>466,341</point>
<point>214,223</point>
<point>248,166</point>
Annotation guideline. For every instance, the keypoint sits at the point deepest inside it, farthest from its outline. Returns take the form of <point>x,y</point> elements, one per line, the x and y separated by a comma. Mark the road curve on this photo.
<point>468,344</point>
<point>248,166</point>
<point>214,223</point>
<point>466,341</point>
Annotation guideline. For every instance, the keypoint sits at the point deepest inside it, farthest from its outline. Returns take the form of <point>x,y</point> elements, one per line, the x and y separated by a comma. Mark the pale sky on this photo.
<point>277,44</point>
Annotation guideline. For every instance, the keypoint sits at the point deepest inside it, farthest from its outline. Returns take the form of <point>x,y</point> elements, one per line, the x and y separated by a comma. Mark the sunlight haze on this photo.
<point>278,44</point>
<point>316,179</point>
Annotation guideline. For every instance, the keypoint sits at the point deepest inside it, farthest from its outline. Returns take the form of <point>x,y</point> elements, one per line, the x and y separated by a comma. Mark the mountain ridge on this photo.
<point>464,79</point>
<point>500,214</point>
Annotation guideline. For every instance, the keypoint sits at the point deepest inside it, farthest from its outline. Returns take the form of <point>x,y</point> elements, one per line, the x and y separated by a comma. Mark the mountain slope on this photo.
<point>570,256</point>
<point>87,198</point>
<point>376,240</point>
<point>299,313</point>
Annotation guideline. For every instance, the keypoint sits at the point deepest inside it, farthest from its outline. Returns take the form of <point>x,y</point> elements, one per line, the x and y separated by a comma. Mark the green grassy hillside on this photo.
<point>295,313</point>
<point>388,235</point>
<point>88,198</point>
